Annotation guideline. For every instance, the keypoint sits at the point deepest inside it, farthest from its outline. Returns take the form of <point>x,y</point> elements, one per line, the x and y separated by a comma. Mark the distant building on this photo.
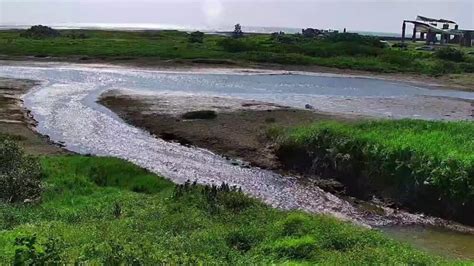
<point>438,30</point>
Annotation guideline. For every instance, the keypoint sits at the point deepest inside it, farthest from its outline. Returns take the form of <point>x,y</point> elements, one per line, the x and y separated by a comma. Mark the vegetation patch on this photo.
<point>40,32</point>
<point>202,114</point>
<point>20,175</point>
<point>423,165</point>
<point>91,214</point>
<point>343,50</point>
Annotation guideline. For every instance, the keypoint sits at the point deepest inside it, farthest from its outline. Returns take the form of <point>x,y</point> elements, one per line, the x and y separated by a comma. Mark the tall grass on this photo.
<point>91,214</point>
<point>422,162</point>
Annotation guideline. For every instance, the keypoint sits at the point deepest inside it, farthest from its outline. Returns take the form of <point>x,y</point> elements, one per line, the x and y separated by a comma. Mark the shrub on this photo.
<point>401,45</point>
<point>237,33</point>
<point>451,54</point>
<point>29,252</point>
<point>196,37</point>
<point>356,38</point>
<point>295,224</point>
<point>20,175</point>
<point>203,114</point>
<point>235,45</point>
<point>40,32</point>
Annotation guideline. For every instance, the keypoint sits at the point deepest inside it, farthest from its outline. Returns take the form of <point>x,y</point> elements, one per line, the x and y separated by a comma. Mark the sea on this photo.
<point>153,26</point>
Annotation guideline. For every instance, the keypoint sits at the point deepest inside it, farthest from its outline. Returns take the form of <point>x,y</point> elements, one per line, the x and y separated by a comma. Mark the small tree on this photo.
<point>196,37</point>
<point>20,175</point>
<point>40,32</point>
<point>237,33</point>
<point>450,54</point>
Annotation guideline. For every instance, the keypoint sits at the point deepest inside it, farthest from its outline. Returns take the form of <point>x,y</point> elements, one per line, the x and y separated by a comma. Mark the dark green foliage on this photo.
<point>20,175</point>
<point>137,180</point>
<point>217,198</point>
<point>340,50</point>
<point>426,165</point>
<point>243,239</point>
<point>40,32</point>
<point>117,210</point>
<point>295,225</point>
<point>235,45</point>
<point>202,114</point>
<point>196,37</point>
<point>77,35</point>
<point>401,45</point>
<point>75,223</point>
<point>29,252</point>
<point>451,54</point>
<point>355,38</point>
<point>237,33</point>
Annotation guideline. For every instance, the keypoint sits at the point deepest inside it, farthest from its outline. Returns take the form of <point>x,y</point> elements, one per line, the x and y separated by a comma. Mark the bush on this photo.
<point>451,54</point>
<point>20,175</point>
<point>40,32</point>
<point>356,38</point>
<point>235,45</point>
<point>401,45</point>
<point>196,37</point>
<point>295,224</point>
<point>29,252</point>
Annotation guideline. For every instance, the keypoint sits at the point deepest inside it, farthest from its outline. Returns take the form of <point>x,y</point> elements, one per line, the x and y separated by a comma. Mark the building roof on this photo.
<point>426,19</point>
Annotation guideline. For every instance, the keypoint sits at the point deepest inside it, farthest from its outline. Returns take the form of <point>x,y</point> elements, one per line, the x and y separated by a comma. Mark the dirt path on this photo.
<point>15,121</point>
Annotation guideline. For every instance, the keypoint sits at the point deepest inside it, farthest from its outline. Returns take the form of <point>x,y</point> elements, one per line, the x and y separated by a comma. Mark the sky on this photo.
<point>355,15</point>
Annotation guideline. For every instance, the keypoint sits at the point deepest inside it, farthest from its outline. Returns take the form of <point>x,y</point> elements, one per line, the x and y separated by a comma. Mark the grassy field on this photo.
<point>421,162</point>
<point>345,51</point>
<point>104,210</point>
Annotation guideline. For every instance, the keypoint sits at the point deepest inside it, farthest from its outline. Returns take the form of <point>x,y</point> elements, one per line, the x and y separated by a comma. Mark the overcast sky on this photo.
<point>368,15</point>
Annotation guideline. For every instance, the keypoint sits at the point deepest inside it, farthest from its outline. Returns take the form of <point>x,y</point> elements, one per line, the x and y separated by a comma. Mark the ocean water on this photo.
<point>154,26</point>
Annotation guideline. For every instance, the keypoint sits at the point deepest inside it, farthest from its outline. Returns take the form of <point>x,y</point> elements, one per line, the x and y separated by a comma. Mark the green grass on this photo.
<point>342,51</point>
<point>418,160</point>
<point>104,210</point>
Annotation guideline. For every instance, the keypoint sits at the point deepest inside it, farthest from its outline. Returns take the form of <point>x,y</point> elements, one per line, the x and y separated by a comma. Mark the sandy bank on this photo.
<point>15,120</point>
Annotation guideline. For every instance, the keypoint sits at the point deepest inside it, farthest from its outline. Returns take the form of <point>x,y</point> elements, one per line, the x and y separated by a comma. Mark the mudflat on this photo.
<point>17,123</point>
<point>239,130</point>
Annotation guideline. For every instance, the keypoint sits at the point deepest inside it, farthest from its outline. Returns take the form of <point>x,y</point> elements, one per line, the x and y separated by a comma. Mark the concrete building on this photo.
<point>440,31</point>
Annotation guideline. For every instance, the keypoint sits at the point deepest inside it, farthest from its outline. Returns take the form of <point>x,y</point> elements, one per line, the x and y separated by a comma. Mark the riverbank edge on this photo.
<point>19,123</point>
<point>443,82</point>
<point>242,126</point>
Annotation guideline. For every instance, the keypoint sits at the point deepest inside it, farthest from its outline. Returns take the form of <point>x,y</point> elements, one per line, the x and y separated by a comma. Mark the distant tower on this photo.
<point>345,30</point>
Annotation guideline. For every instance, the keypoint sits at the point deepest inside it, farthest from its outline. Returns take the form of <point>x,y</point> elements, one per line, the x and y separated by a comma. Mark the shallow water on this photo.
<point>66,109</point>
<point>443,242</point>
<point>327,93</point>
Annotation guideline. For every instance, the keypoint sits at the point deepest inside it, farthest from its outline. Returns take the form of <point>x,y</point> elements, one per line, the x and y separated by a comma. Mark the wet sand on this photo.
<point>16,122</point>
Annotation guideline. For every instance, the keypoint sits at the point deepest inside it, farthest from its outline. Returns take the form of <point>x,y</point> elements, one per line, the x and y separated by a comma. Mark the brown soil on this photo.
<point>237,134</point>
<point>17,123</point>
